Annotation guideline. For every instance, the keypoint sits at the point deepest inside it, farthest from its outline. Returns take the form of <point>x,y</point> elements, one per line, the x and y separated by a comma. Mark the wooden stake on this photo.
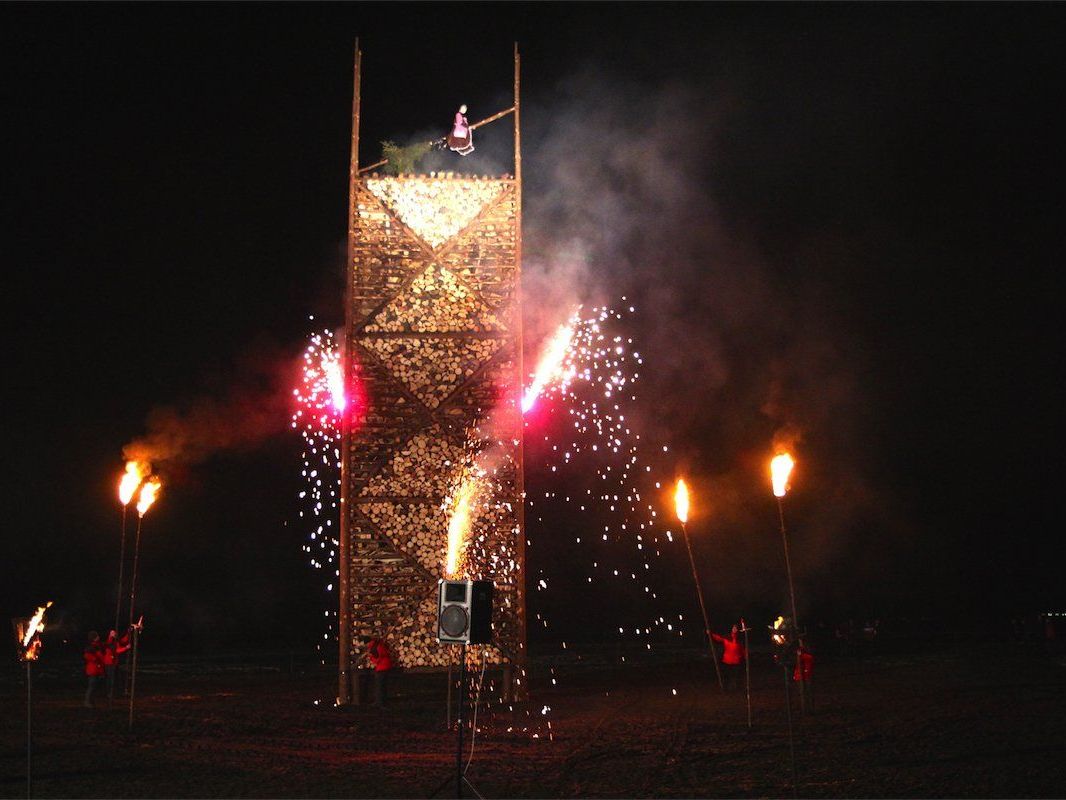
<point>522,691</point>
<point>703,609</point>
<point>344,624</point>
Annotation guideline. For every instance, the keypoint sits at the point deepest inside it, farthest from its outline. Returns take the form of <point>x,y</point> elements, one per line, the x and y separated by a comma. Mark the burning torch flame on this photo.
<point>681,500</point>
<point>459,526</point>
<point>778,638</point>
<point>149,491</point>
<point>136,471</point>
<point>36,625</point>
<point>780,468</point>
<point>550,365</point>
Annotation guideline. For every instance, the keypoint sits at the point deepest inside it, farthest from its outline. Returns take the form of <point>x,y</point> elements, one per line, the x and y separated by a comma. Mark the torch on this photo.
<point>131,480</point>
<point>149,492</point>
<point>780,469</point>
<point>781,639</point>
<point>28,637</point>
<point>747,667</point>
<point>681,506</point>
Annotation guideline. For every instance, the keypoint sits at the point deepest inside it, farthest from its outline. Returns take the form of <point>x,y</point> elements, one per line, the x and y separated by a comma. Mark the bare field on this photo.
<point>962,721</point>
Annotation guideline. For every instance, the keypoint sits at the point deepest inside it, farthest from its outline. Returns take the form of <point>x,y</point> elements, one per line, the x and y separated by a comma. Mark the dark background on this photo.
<point>839,223</point>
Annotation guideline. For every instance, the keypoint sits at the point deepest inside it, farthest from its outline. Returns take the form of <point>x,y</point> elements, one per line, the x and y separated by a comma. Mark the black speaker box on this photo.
<point>464,612</point>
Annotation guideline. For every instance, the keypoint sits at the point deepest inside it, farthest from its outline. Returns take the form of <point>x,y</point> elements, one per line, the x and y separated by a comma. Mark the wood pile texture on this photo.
<point>434,337</point>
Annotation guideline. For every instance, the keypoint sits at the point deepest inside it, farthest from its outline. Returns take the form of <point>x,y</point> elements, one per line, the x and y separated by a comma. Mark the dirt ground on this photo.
<point>960,721</point>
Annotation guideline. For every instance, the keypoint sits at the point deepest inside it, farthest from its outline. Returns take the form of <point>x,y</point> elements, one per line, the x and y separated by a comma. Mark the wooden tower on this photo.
<point>433,350</point>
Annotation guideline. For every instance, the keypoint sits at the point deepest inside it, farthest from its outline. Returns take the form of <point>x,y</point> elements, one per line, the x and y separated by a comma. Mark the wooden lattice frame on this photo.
<point>423,390</point>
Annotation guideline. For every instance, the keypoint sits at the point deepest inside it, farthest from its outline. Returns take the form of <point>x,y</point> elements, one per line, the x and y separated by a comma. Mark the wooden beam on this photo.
<point>344,623</point>
<point>486,121</point>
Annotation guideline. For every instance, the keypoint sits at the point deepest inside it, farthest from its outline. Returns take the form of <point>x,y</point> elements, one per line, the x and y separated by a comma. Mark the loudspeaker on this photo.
<point>464,612</point>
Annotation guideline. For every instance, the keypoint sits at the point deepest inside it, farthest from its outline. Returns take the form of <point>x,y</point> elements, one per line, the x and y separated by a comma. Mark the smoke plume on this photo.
<point>252,408</point>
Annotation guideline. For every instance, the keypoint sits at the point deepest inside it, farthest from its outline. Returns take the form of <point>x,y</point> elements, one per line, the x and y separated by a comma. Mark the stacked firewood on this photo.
<point>433,368</point>
<point>435,208</point>
<point>433,338</point>
<point>435,302</point>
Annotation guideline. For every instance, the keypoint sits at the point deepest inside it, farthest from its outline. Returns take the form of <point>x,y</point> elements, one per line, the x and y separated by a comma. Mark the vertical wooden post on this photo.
<point>522,671</point>
<point>344,626</point>
<point>29,728</point>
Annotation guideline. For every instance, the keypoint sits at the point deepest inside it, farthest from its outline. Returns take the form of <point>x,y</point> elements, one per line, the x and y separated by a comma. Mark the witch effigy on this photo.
<point>461,138</point>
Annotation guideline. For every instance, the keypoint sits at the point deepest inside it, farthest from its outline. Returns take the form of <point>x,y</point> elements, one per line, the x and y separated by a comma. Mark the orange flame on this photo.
<point>149,491</point>
<point>550,365</point>
<point>136,471</point>
<point>36,624</point>
<point>681,501</point>
<point>779,638</point>
<point>459,526</point>
<point>780,468</point>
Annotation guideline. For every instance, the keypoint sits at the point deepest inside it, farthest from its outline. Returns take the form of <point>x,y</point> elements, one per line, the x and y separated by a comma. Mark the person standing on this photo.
<point>804,672</point>
<point>381,661</point>
<point>113,648</point>
<point>94,665</point>
<point>733,655</point>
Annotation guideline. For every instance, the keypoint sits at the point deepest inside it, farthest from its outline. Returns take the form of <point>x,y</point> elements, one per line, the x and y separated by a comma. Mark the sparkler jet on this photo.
<point>551,367</point>
<point>459,525</point>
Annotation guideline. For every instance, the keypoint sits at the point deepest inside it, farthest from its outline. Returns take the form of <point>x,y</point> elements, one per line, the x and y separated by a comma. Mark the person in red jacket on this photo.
<point>94,665</point>
<point>804,671</point>
<point>113,648</point>
<point>733,655</point>
<point>381,661</point>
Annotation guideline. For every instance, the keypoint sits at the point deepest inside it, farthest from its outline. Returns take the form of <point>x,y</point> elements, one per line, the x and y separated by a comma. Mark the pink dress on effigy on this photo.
<point>460,139</point>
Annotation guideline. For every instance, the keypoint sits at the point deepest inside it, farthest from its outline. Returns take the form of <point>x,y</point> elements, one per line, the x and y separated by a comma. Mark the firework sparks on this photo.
<point>321,406</point>
<point>589,428</point>
<point>136,472</point>
<point>780,470</point>
<point>149,493</point>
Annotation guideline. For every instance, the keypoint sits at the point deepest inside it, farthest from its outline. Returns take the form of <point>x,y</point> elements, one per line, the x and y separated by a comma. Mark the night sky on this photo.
<point>839,225</point>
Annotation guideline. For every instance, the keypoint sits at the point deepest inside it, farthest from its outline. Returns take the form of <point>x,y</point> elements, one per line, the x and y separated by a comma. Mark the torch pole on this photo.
<point>791,589</point>
<point>29,728</point>
<point>788,711</point>
<point>133,598</point>
<point>133,675</point>
<point>703,608</point>
<point>136,555</point>
<point>121,565</point>
<point>747,669</point>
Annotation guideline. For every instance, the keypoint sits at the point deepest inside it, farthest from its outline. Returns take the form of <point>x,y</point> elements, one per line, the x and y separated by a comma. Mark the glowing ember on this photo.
<point>36,625</point>
<point>551,367</point>
<point>149,492</point>
<point>459,525</point>
<point>136,472</point>
<point>681,501</point>
<point>780,468</point>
